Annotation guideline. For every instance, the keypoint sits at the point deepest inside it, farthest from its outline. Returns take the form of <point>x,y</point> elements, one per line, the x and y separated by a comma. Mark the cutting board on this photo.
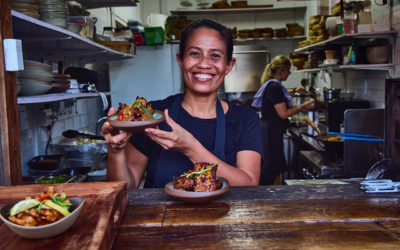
<point>95,228</point>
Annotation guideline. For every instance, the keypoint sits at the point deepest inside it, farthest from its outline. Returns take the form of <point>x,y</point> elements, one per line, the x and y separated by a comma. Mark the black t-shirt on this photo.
<point>273,95</point>
<point>242,133</point>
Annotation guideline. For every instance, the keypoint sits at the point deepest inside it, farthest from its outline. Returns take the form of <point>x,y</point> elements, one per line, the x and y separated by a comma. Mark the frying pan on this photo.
<point>330,146</point>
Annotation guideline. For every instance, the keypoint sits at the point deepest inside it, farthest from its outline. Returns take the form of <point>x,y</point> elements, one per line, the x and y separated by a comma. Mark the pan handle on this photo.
<point>312,124</point>
<point>344,134</point>
<point>361,139</point>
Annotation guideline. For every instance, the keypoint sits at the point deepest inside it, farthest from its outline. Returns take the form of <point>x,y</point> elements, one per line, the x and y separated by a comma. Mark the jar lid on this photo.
<point>107,28</point>
<point>124,28</point>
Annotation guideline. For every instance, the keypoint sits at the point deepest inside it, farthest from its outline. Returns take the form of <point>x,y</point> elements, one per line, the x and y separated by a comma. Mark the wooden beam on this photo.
<point>9,126</point>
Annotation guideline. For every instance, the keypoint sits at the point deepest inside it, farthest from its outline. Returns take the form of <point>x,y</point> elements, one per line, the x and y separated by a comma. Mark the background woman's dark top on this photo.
<point>272,129</point>
<point>242,133</point>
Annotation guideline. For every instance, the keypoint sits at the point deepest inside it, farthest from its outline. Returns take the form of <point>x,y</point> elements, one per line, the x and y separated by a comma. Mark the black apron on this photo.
<point>172,164</point>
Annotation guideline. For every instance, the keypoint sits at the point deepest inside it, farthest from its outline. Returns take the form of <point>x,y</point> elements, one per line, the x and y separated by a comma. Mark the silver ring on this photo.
<point>119,143</point>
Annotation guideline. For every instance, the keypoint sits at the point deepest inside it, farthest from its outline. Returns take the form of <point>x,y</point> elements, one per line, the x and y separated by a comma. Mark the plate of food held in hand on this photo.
<point>45,216</point>
<point>136,117</point>
<point>198,186</point>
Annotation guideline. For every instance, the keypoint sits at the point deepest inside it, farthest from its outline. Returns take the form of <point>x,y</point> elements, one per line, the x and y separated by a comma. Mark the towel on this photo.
<point>260,93</point>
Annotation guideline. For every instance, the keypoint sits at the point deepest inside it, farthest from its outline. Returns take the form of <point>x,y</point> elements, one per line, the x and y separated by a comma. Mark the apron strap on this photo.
<point>219,145</point>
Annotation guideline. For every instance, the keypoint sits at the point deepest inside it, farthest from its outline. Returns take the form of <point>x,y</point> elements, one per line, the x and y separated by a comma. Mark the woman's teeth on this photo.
<point>203,76</point>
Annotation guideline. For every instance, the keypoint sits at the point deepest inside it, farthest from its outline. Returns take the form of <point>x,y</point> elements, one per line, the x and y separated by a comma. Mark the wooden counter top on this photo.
<point>269,217</point>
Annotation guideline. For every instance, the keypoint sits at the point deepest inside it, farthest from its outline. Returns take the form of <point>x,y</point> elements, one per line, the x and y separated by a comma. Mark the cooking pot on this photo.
<point>331,95</point>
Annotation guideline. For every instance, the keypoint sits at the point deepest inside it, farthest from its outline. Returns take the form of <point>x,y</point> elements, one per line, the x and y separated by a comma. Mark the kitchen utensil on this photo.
<point>378,168</point>
<point>76,134</point>
<point>360,139</point>
<point>46,231</point>
<point>380,186</point>
<point>197,197</point>
<point>331,95</point>
<point>336,147</point>
<point>157,20</point>
<point>136,126</point>
<point>346,96</point>
<point>45,162</point>
<point>345,134</point>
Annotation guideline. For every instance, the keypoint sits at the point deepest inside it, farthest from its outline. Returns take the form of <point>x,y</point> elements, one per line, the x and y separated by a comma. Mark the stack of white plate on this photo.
<point>74,87</point>
<point>54,12</point>
<point>35,78</point>
<point>27,7</point>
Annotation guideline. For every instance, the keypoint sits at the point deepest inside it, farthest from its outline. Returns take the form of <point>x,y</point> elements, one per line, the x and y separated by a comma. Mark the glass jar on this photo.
<point>107,31</point>
<point>127,33</point>
<point>349,21</point>
<point>117,32</point>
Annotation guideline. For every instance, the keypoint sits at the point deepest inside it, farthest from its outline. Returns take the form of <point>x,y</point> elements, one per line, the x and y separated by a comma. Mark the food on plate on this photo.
<point>139,110</point>
<point>48,208</point>
<point>335,138</point>
<point>203,178</point>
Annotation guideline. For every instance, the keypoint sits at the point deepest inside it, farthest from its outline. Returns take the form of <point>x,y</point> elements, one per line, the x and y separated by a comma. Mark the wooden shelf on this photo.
<point>347,38</point>
<point>239,40</point>
<point>44,38</point>
<point>235,11</point>
<point>93,4</point>
<point>56,97</point>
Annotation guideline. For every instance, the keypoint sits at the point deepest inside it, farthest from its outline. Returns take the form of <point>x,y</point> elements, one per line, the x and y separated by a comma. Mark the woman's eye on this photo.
<point>193,53</point>
<point>215,56</point>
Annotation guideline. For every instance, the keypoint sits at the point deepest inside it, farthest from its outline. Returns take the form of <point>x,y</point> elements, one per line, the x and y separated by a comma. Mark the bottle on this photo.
<point>349,21</point>
<point>107,31</point>
<point>126,32</point>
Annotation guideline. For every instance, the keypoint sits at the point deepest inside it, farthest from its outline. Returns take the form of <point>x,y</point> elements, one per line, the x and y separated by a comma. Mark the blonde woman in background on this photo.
<point>275,103</point>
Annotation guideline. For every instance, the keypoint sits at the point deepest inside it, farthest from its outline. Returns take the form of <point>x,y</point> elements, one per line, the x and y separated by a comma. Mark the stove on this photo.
<point>322,165</point>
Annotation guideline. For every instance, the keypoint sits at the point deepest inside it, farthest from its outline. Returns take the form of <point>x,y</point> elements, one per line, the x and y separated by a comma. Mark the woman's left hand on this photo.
<point>179,139</point>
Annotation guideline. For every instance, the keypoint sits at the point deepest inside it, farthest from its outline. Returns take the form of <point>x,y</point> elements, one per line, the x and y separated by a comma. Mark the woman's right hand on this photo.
<point>308,105</point>
<point>112,136</point>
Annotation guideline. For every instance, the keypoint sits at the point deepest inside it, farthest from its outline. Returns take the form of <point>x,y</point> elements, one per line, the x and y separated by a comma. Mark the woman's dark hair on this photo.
<point>223,31</point>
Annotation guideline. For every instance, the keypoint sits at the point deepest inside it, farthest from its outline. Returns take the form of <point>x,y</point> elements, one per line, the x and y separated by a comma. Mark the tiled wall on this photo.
<point>34,119</point>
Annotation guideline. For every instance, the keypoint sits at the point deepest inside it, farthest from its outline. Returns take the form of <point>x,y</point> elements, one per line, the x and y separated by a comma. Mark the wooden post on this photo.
<point>9,126</point>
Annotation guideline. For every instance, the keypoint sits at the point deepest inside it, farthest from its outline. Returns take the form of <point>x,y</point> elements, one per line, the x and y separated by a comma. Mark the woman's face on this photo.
<point>205,65</point>
<point>284,74</point>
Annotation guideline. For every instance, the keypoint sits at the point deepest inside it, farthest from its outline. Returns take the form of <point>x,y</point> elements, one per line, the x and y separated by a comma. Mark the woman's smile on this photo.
<point>203,77</point>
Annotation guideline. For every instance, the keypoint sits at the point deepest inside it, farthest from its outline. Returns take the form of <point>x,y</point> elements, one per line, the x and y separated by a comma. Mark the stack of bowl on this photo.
<point>17,82</point>
<point>54,12</point>
<point>74,87</point>
<point>36,78</point>
<point>60,83</point>
<point>378,54</point>
<point>27,7</point>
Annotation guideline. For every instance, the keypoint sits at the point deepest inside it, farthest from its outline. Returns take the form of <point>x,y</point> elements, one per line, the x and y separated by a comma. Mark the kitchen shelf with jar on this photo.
<point>43,38</point>
<point>239,40</point>
<point>235,11</point>
<point>336,67</point>
<point>57,97</point>
<point>348,38</point>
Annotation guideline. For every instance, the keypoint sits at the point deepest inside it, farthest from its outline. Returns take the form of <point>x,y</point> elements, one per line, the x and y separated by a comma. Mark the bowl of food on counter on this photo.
<point>48,215</point>
<point>136,117</point>
<point>198,186</point>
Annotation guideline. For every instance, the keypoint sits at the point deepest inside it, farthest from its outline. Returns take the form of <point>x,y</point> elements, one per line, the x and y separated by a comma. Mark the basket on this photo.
<point>291,25</point>
<point>239,4</point>
<point>121,46</point>
<point>244,35</point>
<point>255,34</point>
<point>267,35</point>
<point>330,54</point>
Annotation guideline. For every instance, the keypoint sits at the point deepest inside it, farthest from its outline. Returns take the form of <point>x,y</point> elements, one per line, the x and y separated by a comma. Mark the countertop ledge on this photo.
<point>268,193</point>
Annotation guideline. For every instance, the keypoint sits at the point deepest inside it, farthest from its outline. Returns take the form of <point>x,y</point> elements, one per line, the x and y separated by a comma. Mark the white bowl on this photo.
<point>31,87</point>
<point>74,86</point>
<point>46,231</point>
<point>34,64</point>
<point>38,76</point>
<point>37,70</point>
<point>73,91</point>
<point>59,22</point>
<point>74,27</point>
<point>24,6</point>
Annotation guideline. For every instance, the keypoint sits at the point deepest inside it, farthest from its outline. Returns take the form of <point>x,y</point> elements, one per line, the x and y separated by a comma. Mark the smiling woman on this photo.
<point>198,126</point>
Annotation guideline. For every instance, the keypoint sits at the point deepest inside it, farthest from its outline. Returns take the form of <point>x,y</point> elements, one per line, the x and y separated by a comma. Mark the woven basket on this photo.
<point>121,46</point>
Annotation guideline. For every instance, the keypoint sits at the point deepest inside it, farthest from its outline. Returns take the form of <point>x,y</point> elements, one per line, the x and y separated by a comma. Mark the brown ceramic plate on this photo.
<point>135,127</point>
<point>46,231</point>
<point>197,197</point>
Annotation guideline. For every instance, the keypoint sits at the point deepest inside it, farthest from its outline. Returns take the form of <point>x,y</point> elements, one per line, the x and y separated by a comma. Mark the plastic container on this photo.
<point>108,32</point>
<point>349,21</point>
<point>45,162</point>
<point>330,54</point>
<point>87,25</point>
